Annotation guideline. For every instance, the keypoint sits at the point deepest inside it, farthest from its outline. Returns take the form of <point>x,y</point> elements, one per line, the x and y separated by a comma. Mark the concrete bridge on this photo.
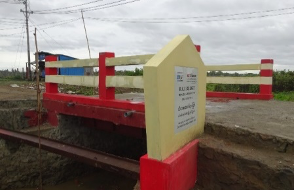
<point>247,144</point>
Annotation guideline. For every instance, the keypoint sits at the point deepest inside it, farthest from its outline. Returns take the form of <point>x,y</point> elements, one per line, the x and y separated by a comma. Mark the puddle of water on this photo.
<point>97,181</point>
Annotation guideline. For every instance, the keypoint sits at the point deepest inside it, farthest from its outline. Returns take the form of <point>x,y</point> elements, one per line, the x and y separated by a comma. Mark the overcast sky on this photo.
<point>130,27</point>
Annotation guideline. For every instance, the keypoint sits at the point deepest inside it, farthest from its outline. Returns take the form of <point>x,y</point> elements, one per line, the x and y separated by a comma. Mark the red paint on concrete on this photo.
<point>177,172</point>
<point>198,48</point>
<point>264,88</point>
<point>267,61</point>
<point>33,117</point>
<point>225,100</point>
<point>114,128</point>
<point>52,118</point>
<point>266,73</point>
<point>137,119</point>
<point>105,92</point>
<point>94,101</point>
<point>51,87</point>
<point>236,95</point>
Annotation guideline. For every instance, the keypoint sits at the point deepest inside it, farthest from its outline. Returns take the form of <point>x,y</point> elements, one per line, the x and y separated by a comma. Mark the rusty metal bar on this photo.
<point>95,158</point>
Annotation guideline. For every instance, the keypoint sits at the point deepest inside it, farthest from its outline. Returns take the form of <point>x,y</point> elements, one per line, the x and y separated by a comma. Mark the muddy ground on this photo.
<point>22,90</point>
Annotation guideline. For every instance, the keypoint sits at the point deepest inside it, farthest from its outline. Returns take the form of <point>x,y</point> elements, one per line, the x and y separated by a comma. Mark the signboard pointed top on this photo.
<point>174,107</point>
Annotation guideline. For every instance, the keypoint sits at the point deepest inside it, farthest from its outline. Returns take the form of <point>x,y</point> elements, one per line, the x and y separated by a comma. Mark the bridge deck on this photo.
<point>265,117</point>
<point>272,117</point>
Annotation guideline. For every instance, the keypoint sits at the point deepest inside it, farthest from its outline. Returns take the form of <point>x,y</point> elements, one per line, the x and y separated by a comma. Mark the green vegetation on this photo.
<point>8,81</point>
<point>136,72</point>
<point>284,96</point>
<point>283,84</point>
<point>246,88</point>
<point>283,81</point>
<point>82,90</point>
<point>12,78</point>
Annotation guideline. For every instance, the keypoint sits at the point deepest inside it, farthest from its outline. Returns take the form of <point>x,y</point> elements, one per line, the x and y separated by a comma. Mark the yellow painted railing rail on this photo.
<point>239,80</point>
<point>125,81</point>
<point>129,60</point>
<point>73,63</point>
<point>90,81</point>
<point>236,67</point>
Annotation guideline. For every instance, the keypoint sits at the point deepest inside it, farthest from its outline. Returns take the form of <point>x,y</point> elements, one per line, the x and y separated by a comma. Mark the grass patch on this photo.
<point>245,88</point>
<point>82,90</point>
<point>8,81</point>
<point>284,96</point>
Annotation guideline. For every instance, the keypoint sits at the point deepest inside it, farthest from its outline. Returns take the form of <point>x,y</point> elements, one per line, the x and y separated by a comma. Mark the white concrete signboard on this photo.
<point>186,85</point>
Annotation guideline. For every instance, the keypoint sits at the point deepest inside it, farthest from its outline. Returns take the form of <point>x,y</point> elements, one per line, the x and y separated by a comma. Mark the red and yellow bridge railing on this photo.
<point>173,110</point>
<point>264,80</point>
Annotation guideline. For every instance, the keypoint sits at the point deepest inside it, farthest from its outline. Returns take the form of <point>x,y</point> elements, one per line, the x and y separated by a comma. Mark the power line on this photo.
<point>11,19</point>
<point>3,22</point>
<point>186,21</point>
<point>110,6</point>
<point>10,28</point>
<point>74,20</point>
<point>6,35</point>
<point>41,35</point>
<point>47,35</point>
<point>128,20</point>
<point>21,48</point>
<point>50,10</point>
<point>59,23</point>
<point>93,8</point>
<point>49,23</point>
<point>11,2</point>
<point>197,17</point>
<point>55,42</point>
<point>20,41</point>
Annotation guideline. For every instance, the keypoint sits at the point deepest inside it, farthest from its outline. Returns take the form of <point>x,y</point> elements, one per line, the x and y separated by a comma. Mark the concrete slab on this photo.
<point>267,117</point>
<point>275,118</point>
<point>134,97</point>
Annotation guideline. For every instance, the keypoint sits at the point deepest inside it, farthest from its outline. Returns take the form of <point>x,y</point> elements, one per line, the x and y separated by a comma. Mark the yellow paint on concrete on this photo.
<point>73,63</point>
<point>125,81</point>
<point>128,60</point>
<point>159,77</point>
<point>239,80</point>
<point>90,81</point>
<point>236,67</point>
<point>267,66</point>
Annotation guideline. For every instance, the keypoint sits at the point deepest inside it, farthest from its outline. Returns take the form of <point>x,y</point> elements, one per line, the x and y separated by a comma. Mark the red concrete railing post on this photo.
<point>266,71</point>
<point>198,48</point>
<point>51,87</point>
<point>104,71</point>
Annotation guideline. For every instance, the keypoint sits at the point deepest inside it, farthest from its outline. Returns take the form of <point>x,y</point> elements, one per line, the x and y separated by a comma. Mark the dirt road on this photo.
<point>21,90</point>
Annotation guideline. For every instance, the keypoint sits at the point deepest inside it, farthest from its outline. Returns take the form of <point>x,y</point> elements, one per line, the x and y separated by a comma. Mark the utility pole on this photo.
<point>26,13</point>
<point>88,71</point>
